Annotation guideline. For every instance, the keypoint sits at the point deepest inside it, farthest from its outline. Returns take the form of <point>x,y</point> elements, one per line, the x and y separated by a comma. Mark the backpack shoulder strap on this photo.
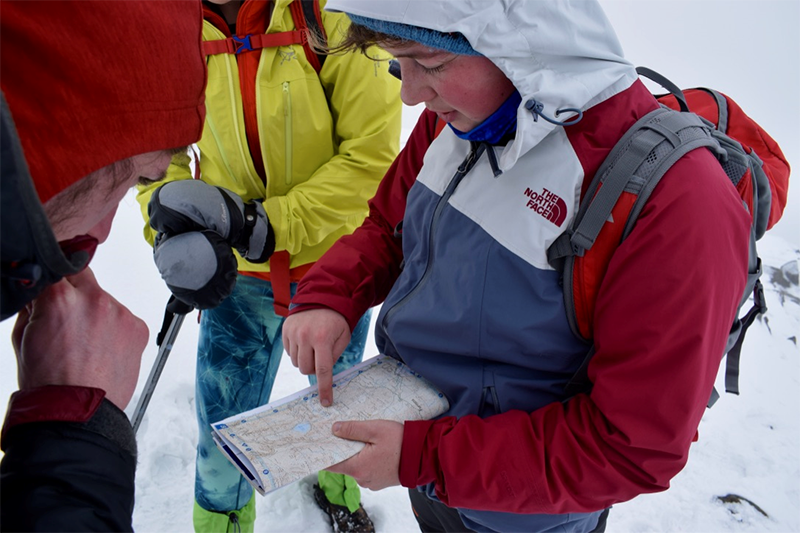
<point>618,192</point>
<point>722,108</point>
<point>636,164</point>
<point>307,16</point>
<point>633,169</point>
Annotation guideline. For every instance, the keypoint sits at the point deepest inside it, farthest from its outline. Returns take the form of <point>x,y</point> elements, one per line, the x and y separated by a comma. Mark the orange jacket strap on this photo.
<point>247,43</point>
<point>440,124</point>
<point>220,46</point>
<point>279,273</point>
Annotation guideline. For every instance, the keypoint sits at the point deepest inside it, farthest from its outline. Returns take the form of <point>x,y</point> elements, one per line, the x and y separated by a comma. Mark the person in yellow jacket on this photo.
<point>294,145</point>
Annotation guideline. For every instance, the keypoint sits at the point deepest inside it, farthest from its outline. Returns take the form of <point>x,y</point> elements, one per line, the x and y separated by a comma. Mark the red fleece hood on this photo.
<point>92,83</point>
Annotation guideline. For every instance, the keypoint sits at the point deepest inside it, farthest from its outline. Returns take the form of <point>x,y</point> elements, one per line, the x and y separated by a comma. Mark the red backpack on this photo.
<point>686,120</point>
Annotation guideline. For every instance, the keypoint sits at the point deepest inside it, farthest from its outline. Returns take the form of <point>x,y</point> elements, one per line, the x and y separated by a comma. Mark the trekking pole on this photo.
<point>173,319</point>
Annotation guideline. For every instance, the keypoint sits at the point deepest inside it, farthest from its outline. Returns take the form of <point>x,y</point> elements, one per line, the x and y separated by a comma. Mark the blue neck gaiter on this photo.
<point>497,125</point>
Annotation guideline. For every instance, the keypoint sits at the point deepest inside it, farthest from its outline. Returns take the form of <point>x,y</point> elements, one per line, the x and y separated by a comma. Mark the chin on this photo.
<point>463,125</point>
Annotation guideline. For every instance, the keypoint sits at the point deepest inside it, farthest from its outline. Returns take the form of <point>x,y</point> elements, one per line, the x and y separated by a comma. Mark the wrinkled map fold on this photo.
<point>281,442</point>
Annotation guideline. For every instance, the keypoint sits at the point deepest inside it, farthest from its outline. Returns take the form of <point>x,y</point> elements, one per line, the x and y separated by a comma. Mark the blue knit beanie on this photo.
<point>452,42</point>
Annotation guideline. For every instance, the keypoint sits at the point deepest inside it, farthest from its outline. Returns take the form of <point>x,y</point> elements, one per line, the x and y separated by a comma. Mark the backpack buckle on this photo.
<point>244,44</point>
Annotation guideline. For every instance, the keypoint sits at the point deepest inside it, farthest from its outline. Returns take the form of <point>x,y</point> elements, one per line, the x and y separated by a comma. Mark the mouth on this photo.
<point>446,116</point>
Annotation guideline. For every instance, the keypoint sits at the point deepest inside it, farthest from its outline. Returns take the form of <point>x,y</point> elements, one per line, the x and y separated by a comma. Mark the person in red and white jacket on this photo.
<point>96,96</point>
<point>534,95</point>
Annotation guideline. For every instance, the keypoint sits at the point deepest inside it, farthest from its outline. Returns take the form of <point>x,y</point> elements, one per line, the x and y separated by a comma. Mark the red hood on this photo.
<point>91,83</point>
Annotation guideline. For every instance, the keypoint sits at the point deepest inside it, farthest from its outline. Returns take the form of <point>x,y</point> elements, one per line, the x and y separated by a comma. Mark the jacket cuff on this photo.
<point>52,403</point>
<point>299,308</point>
<point>351,315</point>
<point>352,320</point>
<point>82,407</point>
<point>112,423</point>
<point>412,471</point>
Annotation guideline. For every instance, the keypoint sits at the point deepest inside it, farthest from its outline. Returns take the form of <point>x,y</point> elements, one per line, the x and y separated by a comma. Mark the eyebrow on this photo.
<point>432,52</point>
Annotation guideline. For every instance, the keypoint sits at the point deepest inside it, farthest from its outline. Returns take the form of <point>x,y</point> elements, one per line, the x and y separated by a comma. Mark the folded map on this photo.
<point>281,442</point>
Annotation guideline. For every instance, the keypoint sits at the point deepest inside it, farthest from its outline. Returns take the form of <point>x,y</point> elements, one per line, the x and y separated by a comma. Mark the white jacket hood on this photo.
<point>562,53</point>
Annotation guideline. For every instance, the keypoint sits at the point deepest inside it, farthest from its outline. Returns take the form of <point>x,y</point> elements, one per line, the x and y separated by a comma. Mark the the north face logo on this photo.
<point>547,204</point>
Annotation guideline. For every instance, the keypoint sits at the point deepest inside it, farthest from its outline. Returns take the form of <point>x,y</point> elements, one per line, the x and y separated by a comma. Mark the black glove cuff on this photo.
<point>269,247</point>
<point>242,242</point>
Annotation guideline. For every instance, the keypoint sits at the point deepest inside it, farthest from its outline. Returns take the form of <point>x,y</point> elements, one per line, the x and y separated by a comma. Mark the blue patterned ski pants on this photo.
<point>238,354</point>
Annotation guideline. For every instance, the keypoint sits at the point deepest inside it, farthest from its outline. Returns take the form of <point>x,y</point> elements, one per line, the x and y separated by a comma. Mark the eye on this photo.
<point>432,70</point>
<point>144,182</point>
<point>439,60</point>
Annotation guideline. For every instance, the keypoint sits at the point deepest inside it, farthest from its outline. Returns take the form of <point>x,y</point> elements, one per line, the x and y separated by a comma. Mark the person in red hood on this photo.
<point>96,96</point>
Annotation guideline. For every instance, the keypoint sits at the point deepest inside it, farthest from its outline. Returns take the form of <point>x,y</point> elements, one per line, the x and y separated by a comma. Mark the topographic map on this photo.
<point>285,440</point>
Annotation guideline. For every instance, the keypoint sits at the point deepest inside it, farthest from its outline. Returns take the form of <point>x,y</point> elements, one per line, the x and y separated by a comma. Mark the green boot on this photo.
<point>340,490</point>
<point>340,497</point>
<point>240,521</point>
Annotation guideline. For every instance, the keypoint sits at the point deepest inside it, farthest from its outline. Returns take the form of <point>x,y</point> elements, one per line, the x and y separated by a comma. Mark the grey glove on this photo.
<point>197,226</point>
<point>193,205</point>
<point>198,267</point>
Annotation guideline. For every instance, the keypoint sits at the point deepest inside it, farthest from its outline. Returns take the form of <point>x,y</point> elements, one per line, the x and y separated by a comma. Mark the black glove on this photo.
<point>197,226</point>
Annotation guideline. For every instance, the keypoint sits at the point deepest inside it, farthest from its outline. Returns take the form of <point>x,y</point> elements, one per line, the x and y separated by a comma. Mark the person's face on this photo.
<point>96,206</point>
<point>462,90</point>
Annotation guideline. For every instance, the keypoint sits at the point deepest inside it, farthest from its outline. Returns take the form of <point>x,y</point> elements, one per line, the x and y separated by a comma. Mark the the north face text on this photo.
<point>548,204</point>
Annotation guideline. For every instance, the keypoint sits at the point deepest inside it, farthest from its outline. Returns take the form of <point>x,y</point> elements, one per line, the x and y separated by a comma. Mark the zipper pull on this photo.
<point>474,148</point>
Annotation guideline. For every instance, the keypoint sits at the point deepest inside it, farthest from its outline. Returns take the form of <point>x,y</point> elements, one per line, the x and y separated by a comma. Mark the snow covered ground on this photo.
<point>749,445</point>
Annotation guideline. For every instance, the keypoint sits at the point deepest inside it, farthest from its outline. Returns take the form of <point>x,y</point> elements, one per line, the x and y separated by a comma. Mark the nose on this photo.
<point>414,89</point>
<point>102,229</point>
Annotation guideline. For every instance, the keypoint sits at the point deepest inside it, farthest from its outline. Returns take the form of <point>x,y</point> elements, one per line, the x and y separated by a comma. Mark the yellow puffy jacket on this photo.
<point>313,147</point>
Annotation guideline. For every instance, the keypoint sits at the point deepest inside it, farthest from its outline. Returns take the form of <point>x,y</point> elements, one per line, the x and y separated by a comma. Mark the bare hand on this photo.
<point>75,333</point>
<point>315,339</point>
<point>377,466</point>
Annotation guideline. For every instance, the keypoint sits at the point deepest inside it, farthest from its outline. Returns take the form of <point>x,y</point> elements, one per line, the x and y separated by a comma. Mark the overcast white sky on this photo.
<point>748,49</point>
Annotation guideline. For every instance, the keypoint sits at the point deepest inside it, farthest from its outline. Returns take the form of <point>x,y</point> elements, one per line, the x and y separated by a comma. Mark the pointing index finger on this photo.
<point>324,370</point>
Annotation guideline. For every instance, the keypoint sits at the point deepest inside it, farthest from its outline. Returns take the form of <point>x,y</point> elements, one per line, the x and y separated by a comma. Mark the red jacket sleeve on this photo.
<point>663,315</point>
<point>358,271</point>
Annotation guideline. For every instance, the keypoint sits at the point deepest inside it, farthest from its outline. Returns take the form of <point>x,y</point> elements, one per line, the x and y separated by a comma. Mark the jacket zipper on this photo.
<point>475,152</point>
<point>287,117</point>
<point>489,392</point>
